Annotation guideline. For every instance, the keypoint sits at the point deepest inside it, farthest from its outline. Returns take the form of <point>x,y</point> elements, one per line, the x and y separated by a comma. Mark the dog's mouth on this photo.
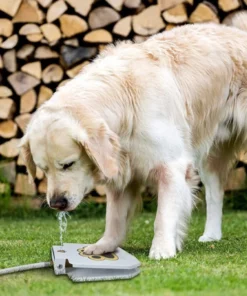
<point>64,203</point>
<point>64,209</point>
<point>73,203</point>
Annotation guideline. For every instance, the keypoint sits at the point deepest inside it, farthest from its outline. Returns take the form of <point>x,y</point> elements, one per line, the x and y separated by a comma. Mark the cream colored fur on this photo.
<point>151,112</point>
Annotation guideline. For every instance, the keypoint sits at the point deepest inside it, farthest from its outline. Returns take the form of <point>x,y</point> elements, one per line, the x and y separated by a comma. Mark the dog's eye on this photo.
<point>68,165</point>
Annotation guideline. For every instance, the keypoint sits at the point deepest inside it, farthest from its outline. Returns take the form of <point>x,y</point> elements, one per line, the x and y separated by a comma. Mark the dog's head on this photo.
<point>73,148</point>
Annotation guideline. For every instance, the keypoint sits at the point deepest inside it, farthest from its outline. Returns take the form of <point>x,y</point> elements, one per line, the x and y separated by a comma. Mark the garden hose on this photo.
<point>25,267</point>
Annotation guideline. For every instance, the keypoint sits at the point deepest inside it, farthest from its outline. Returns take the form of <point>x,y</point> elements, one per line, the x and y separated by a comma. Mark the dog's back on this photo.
<point>210,65</point>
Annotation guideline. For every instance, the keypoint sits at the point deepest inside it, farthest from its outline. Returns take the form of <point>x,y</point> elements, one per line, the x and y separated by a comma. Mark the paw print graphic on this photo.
<point>106,256</point>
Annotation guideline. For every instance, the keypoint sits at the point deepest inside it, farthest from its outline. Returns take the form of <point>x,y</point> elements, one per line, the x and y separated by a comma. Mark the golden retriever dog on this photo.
<point>147,113</point>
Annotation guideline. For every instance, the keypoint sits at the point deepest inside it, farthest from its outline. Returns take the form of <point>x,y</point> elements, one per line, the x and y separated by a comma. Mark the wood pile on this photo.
<point>46,42</point>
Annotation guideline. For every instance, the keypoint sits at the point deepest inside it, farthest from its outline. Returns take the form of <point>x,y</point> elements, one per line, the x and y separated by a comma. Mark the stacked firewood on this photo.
<point>43,43</point>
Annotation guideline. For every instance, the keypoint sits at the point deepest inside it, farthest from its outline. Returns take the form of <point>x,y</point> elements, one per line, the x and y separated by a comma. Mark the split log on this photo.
<point>139,39</point>
<point>148,22</point>
<point>116,4</point>
<point>123,27</point>
<point>45,3</point>
<point>28,101</point>
<point>98,36</point>
<point>39,174</point>
<point>81,7</point>
<point>8,129</point>
<point>9,59</point>
<point>132,4</point>
<point>10,42</point>
<point>28,12</point>
<point>6,27</point>
<point>56,10</point>
<point>100,189</point>
<point>45,94</point>
<point>236,180</point>
<point>72,25</point>
<point>51,32</point>
<point>7,108</point>
<point>34,37</point>
<point>25,52</point>
<point>23,120</point>
<point>170,27</point>
<point>63,83</point>
<point>166,4</point>
<point>140,8</point>
<point>73,42</point>
<point>71,55</point>
<point>20,161</point>
<point>29,29</point>
<point>77,69</point>
<point>52,73</point>
<point>44,41</point>
<point>102,16</point>
<point>10,148</point>
<point>204,12</point>
<point>10,6</point>
<point>22,82</point>
<point>228,5</point>
<point>5,91</point>
<point>42,186</point>
<point>23,186</point>
<point>44,52</point>
<point>176,15</point>
<point>102,47</point>
<point>34,69</point>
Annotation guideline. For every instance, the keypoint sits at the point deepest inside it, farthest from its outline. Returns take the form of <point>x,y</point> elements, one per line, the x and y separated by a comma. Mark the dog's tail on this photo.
<point>237,19</point>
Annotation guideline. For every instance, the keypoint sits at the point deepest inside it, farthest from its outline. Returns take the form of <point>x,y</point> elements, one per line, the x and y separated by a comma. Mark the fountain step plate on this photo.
<point>70,259</point>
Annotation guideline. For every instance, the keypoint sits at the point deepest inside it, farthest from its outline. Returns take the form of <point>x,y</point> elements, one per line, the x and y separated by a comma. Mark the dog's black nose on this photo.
<point>59,203</point>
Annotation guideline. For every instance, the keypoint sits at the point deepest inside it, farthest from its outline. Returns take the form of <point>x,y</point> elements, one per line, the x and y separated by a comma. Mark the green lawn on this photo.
<point>201,269</point>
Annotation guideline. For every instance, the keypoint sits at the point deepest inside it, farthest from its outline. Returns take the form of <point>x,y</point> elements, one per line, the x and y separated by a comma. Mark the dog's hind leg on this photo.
<point>175,203</point>
<point>214,173</point>
<point>214,200</point>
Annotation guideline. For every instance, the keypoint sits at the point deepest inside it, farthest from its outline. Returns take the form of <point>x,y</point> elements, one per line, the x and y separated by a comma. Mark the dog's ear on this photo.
<point>27,158</point>
<point>103,147</point>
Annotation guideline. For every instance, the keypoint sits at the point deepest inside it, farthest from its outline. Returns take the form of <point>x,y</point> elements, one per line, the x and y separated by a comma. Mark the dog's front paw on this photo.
<point>100,248</point>
<point>210,237</point>
<point>162,251</point>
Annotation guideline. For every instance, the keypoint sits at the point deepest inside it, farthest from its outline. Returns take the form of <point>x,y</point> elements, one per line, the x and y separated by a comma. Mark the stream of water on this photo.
<point>62,219</point>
